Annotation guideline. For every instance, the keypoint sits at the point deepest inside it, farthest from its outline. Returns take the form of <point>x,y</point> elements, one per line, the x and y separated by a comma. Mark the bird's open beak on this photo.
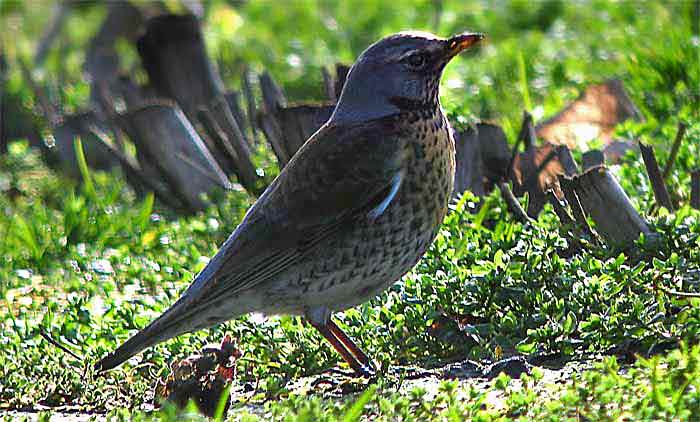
<point>461,42</point>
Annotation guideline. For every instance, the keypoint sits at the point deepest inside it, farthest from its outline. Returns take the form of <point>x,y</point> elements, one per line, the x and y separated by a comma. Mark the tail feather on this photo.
<point>161,329</point>
<point>178,319</point>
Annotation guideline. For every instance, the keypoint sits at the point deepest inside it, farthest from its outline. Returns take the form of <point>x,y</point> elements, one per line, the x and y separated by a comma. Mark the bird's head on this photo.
<point>399,72</point>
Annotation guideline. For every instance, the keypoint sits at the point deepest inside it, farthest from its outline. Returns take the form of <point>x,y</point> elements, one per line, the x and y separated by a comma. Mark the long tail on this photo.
<point>178,319</point>
<point>159,330</point>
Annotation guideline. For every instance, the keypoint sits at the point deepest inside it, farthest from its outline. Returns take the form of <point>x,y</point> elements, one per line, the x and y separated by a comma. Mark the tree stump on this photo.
<point>592,158</point>
<point>655,178</point>
<point>81,125</point>
<point>604,200</point>
<point>173,53</point>
<point>482,155</point>
<point>166,139</point>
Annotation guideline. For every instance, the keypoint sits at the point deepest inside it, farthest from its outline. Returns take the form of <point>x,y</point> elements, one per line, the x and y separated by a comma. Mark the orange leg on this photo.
<point>350,345</point>
<point>357,360</point>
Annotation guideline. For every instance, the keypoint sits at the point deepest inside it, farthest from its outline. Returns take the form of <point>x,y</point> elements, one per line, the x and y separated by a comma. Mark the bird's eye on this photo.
<point>417,60</point>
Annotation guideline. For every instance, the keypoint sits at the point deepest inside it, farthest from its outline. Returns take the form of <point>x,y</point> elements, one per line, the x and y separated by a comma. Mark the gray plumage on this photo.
<point>353,211</point>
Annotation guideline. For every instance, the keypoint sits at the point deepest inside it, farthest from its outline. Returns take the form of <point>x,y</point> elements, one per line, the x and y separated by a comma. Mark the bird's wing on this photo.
<point>339,175</point>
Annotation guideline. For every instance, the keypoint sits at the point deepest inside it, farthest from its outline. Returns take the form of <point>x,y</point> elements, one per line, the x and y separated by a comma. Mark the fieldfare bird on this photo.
<point>352,212</point>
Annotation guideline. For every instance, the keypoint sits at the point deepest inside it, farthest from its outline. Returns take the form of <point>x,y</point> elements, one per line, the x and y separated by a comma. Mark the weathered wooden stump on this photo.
<point>288,127</point>
<point>604,200</point>
<point>81,125</point>
<point>173,53</point>
<point>166,140</point>
<point>592,158</point>
<point>655,178</point>
<point>482,158</point>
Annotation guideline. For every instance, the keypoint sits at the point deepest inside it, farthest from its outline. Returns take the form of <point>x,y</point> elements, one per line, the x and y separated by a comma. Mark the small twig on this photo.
<point>674,150</point>
<point>564,217</point>
<point>657,182</point>
<point>48,338</point>
<point>513,205</point>
<point>677,293</point>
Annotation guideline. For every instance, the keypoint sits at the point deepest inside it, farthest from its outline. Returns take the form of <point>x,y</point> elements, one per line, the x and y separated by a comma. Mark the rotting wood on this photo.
<point>655,178</point>
<point>674,149</point>
<point>469,176</point>
<point>572,200</point>
<point>341,74</point>
<point>298,123</point>
<point>273,99</point>
<point>560,210</point>
<point>164,135</point>
<point>537,170</point>
<point>592,158</point>
<point>249,100</point>
<point>604,200</point>
<point>245,170</point>
<point>137,177</point>
<point>495,154</point>
<point>96,155</point>
<point>526,135</point>
<point>173,53</point>
<point>233,99</point>
<point>60,13</point>
<point>328,85</point>
<point>482,155</point>
<point>566,221</point>
<point>695,189</point>
<point>215,138</point>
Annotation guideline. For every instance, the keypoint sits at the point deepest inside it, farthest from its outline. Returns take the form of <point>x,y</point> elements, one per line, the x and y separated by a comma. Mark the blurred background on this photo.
<point>560,45</point>
<point>109,206</point>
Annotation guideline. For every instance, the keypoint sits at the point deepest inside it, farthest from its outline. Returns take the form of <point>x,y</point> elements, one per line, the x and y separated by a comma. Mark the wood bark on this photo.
<point>273,99</point>
<point>173,53</point>
<point>167,140</point>
<point>608,205</point>
<point>568,188</point>
<point>482,155</point>
<point>592,158</point>
<point>250,101</point>
<point>674,149</point>
<point>663,199</point>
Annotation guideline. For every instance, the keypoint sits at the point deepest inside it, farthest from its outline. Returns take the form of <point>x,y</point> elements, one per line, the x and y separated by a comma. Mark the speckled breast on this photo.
<point>377,253</point>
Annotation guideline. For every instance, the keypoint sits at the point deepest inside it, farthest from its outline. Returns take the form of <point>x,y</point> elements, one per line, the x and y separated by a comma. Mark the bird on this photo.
<point>353,211</point>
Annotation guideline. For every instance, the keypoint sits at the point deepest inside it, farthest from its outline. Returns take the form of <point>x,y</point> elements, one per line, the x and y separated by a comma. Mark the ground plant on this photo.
<point>611,334</point>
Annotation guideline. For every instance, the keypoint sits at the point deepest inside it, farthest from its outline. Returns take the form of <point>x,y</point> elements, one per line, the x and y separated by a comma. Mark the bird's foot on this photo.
<point>336,376</point>
<point>366,371</point>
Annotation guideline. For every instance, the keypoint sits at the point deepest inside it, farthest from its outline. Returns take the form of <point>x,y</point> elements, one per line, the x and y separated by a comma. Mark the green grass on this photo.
<point>89,264</point>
